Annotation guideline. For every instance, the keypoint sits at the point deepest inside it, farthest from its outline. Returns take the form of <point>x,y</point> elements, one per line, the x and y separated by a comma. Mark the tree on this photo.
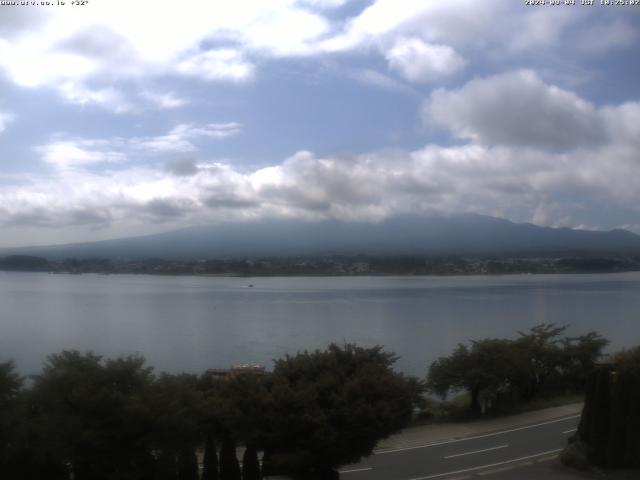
<point>250,464</point>
<point>229,466</point>
<point>330,408</point>
<point>236,412</point>
<point>177,406</point>
<point>484,370</point>
<point>10,389</point>
<point>538,357</point>
<point>187,464</point>
<point>608,429</point>
<point>92,414</point>
<point>580,357</point>
<point>210,461</point>
<point>495,371</point>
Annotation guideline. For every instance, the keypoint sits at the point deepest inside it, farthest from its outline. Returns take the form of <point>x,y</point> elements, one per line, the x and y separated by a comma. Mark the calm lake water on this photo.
<point>195,323</point>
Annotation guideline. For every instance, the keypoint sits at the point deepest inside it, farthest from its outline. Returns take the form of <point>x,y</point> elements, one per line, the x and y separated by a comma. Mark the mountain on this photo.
<point>407,235</point>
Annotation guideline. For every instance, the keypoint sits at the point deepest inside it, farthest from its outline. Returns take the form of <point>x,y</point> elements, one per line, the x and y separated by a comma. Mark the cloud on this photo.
<point>421,40</point>
<point>376,79</point>
<point>524,175</point>
<point>418,61</point>
<point>15,20</point>
<point>69,154</point>
<point>522,183</point>
<point>79,153</point>
<point>164,100</point>
<point>518,109</point>
<point>615,34</point>
<point>5,119</point>
<point>182,167</point>
<point>223,64</point>
<point>108,98</point>
<point>322,4</point>
<point>117,40</point>
<point>181,137</point>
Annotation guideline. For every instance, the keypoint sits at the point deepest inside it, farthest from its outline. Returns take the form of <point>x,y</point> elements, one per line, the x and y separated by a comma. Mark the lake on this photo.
<point>195,323</point>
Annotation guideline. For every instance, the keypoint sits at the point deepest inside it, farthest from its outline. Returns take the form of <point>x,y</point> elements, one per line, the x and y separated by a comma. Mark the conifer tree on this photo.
<point>210,462</point>
<point>229,467</point>
<point>250,464</point>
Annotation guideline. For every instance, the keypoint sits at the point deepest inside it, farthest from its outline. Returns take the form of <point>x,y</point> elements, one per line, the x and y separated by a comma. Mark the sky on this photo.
<point>122,118</point>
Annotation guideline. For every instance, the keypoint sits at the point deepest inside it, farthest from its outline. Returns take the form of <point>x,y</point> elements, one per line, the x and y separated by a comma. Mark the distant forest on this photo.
<point>330,265</point>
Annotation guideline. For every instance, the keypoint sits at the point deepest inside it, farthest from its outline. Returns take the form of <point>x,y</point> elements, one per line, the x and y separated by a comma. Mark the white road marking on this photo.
<point>570,430</point>
<point>546,459</point>
<point>356,470</point>
<point>476,451</point>
<point>488,466</point>
<point>497,470</point>
<point>427,445</point>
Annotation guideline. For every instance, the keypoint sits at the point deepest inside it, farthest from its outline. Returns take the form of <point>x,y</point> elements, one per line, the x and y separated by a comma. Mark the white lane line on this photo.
<point>571,430</point>
<point>446,442</point>
<point>476,451</point>
<point>488,466</point>
<point>497,470</point>
<point>357,470</point>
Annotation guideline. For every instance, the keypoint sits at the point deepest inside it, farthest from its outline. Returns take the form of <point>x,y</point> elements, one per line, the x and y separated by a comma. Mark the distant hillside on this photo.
<point>409,235</point>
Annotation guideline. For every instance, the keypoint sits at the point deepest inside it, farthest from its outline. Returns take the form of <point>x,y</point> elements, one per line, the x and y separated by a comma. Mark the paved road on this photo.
<point>462,458</point>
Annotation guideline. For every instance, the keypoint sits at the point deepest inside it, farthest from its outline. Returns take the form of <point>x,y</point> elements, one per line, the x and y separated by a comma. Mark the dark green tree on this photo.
<point>10,419</point>
<point>484,370</point>
<point>92,414</point>
<point>538,358</point>
<point>236,410</point>
<point>229,466</point>
<point>330,408</point>
<point>177,406</point>
<point>166,466</point>
<point>210,461</point>
<point>501,372</point>
<point>580,357</point>
<point>187,464</point>
<point>250,464</point>
<point>608,430</point>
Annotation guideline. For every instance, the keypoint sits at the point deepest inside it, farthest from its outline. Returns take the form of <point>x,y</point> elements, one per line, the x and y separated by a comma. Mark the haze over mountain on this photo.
<point>406,235</point>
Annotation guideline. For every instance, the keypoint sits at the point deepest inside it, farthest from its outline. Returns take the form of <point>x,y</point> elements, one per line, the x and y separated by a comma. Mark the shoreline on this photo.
<point>327,275</point>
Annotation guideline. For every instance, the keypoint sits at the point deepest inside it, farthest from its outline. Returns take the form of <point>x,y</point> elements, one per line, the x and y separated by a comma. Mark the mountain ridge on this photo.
<point>467,234</point>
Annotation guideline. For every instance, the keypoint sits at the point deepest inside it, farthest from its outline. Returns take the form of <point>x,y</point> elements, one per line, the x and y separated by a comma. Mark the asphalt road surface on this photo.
<point>466,457</point>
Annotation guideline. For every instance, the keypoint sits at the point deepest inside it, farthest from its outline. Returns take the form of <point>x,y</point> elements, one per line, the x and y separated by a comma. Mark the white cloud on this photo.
<point>224,41</point>
<point>108,98</point>
<point>530,172</point>
<point>179,139</point>
<point>78,153</point>
<point>379,80</point>
<point>322,4</point>
<point>5,119</point>
<point>418,61</point>
<point>164,100</point>
<point>70,154</point>
<point>522,183</point>
<point>116,39</point>
<point>515,108</point>
<point>224,64</point>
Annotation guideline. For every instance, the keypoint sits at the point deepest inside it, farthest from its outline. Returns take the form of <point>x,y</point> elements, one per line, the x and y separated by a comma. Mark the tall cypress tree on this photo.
<point>611,417</point>
<point>210,462</point>
<point>250,464</point>
<point>229,467</point>
<point>187,464</point>
<point>166,467</point>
